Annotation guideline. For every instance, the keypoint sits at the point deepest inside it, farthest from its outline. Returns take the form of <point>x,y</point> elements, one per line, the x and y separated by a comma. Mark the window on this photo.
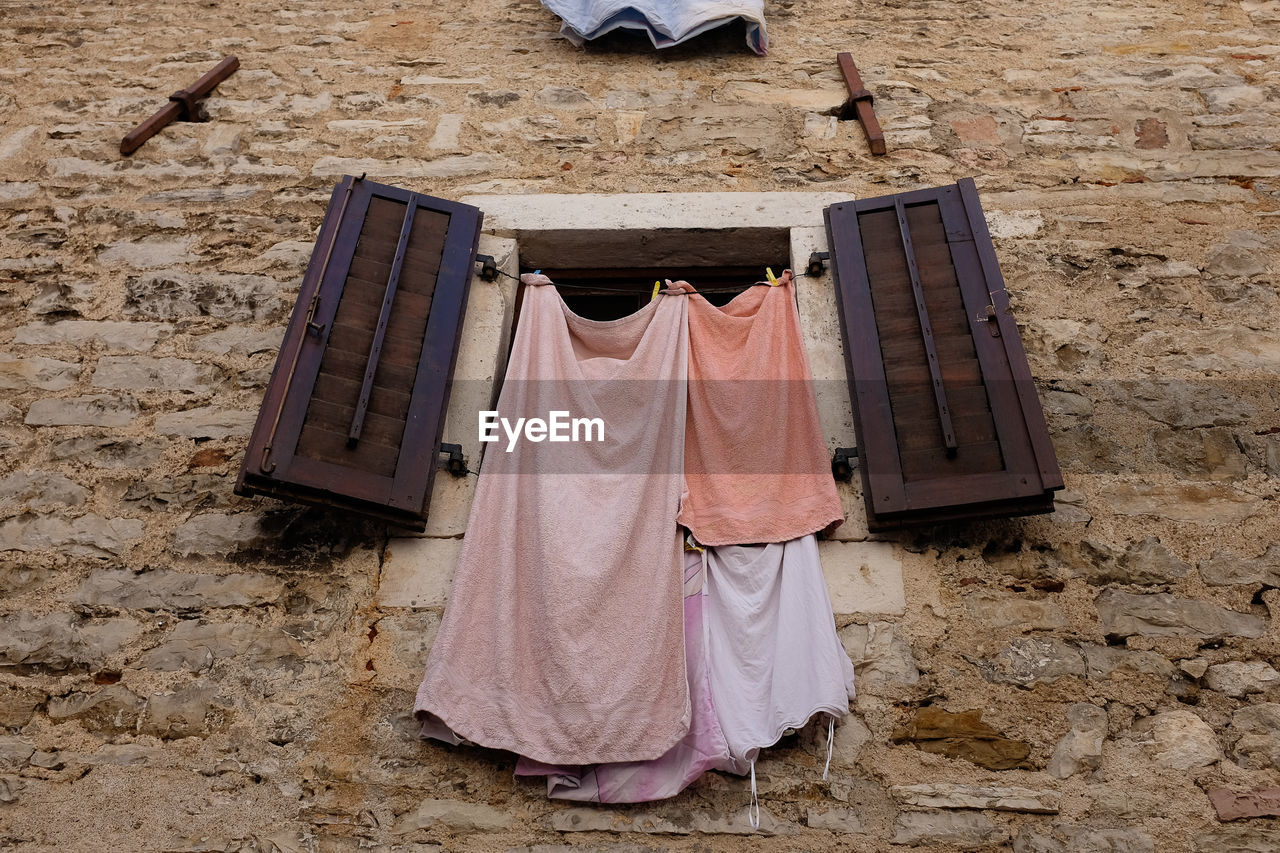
<point>361,395</point>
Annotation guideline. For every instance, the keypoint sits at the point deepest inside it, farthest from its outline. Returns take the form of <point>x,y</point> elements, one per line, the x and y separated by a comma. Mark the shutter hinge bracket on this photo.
<point>488,267</point>
<point>843,463</point>
<point>456,464</point>
<point>817,263</point>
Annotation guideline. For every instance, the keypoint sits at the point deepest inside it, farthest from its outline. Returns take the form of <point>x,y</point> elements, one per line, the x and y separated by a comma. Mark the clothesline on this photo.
<point>634,292</point>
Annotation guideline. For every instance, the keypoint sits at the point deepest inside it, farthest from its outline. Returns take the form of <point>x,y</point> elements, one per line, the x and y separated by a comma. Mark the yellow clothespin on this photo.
<point>657,285</point>
<point>773,279</point>
<point>691,544</point>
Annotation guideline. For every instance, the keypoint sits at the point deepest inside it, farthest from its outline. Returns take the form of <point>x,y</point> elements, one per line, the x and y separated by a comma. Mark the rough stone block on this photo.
<point>1203,454</point>
<point>1256,730</point>
<point>217,533</point>
<point>1240,678</point>
<point>90,410</point>
<point>417,572</point>
<point>1261,802</point>
<point>1238,839</point>
<point>148,253</point>
<point>996,609</point>
<point>965,830</point>
<point>1081,747</point>
<point>400,647</point>
<point>863,577</point>
<point>946,795</point>
<point>881,657</point>
<point>962,735</point>
<point>1146,562</point>
<point>185,491</point>
<point>1028,661</point>
<point>15,752</point>
<point>110,710</point>
<point>454,814</point>
<point>1178,739</point>
<point>143,373</point>
<point>163,589</point>
<point>34,371</point>
<point>207,422</point>
<point>88,535</point>
<point>1224,568</point>
<point>182,713</point>
<point>1183,404</point>
<point>241,341</point>
<point>851,735</point>
<point>40,490</point>
<point>1067,838</point>
<point>1163,615</point>
<point>18,704</point>
<point>834,819</point>
<point>1102,661</point>
<point>196,645</point>
<point>60,641</point>
<point>107,451</point>
<point>452,166</point>
<point>174,294</point>
<point>1184,503</point>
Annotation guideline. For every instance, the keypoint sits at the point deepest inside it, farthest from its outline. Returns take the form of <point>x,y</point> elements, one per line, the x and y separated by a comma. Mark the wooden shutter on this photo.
<point>949,425</point>
<point>355,408</point>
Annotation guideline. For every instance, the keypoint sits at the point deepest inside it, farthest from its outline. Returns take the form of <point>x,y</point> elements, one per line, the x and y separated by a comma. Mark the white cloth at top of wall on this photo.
<point>666,22</point>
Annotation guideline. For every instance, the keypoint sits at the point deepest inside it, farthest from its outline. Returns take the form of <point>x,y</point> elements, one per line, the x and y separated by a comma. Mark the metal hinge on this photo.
<point>817,263</point>
<point>843,462</point>
<point>456,464</point>
<point>488,267</point>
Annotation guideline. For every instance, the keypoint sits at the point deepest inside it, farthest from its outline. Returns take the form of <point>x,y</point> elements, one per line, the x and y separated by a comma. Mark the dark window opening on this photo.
<point>611,293</point>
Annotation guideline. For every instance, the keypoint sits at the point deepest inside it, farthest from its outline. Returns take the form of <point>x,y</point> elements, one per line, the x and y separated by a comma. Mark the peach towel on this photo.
<point>757,468</point>
<point>563,639</point>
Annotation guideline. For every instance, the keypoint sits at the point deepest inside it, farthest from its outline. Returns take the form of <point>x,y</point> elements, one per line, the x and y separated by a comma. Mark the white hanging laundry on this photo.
<point>776,660</point>
<point>667,22</point>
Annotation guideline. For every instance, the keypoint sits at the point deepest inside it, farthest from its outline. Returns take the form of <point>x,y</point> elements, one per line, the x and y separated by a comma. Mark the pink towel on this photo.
<point>703,748</point>
<point>757,467</point>
<point>563,639</point>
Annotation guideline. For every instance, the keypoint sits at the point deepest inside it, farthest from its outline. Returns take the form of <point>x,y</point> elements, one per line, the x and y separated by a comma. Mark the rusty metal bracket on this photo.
<point>817,263</point>
<point>456,464</point>
<point>860,103</point>
<point>488,267</point>
<point>183,106</point>
<point>843,462</point>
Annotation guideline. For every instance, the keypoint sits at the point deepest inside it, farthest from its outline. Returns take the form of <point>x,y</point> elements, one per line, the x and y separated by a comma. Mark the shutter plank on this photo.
<point>353,413</point>
<point>914,274</point>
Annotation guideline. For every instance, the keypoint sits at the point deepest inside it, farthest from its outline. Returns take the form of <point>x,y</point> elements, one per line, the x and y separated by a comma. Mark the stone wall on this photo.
<point>182,669</point>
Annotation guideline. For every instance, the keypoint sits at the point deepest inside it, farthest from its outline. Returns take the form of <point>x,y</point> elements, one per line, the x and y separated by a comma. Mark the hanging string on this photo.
<point>753,810</point>
<point>831,738</point>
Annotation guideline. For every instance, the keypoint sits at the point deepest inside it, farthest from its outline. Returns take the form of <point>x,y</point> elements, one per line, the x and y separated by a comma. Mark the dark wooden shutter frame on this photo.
<point>969,440</point>
<point>332,443</point>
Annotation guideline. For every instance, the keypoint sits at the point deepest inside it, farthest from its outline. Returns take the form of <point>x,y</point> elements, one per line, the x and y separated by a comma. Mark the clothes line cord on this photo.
<point>632,292</point>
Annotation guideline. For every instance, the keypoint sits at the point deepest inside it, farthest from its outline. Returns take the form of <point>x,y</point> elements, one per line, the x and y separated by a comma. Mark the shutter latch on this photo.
<point>992,321</point>
<point>313,326</point>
